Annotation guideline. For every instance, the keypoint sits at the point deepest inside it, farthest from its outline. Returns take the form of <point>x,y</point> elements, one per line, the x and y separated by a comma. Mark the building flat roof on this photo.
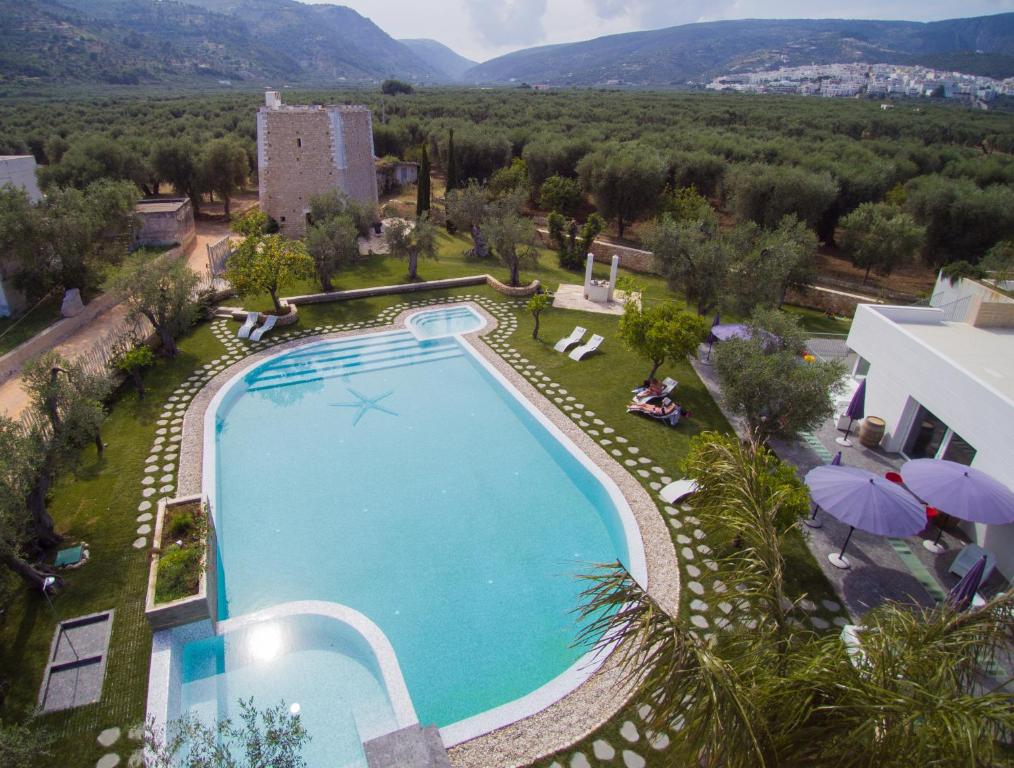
<point>16,157</point>
<point>987,354</point>
<point>167,205</point>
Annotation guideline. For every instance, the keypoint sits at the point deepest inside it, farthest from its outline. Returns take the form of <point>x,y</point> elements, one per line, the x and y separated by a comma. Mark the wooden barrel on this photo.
<point>871,432</point>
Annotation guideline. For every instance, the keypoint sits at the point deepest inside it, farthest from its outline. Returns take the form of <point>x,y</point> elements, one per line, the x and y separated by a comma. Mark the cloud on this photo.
<point>653,14</point>
<point>508,22</point>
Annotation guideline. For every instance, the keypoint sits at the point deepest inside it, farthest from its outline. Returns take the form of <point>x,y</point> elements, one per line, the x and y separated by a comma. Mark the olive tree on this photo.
<point>881,237</point>
<point>624,180</point>
<point>696,258</point>
<point>466,209</point>
<point>269,738</point>
<point>224,168</point>
<point>765,380</point>
<point>512,236</point>
<point>160,290</point>
<point>412,241</point>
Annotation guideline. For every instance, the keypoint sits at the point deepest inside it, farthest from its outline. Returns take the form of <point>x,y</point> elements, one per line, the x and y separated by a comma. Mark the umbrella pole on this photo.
<point>845,440</point>
<point>812,520</point>
<point>935,546</point>
<point>838,560</point>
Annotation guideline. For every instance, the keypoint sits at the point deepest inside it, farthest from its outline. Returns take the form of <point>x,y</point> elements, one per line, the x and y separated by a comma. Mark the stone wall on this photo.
<point>307,151</point>
<point>634,259</point>
<point>60,331</point>
<point>507,290</point>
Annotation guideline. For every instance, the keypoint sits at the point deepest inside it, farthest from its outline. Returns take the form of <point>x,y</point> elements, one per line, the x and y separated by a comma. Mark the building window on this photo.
<point>958,450</point>
<point>862,367</point>
<point>299,142</point>
<point>926,436</point>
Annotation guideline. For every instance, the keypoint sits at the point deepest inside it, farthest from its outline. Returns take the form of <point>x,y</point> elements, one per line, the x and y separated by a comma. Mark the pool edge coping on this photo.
<point>561,721</point>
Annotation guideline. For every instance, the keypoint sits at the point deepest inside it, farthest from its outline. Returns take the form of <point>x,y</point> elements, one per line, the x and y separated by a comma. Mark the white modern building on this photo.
<point>942,378</point>
<point>17,171</point>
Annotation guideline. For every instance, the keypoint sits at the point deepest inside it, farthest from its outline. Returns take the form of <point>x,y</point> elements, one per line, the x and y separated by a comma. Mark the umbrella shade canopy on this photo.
<point>962,492</point>
<point>865,501</point>
<point>961,594</point>
<point>857,404</point>
<point>731,331</point>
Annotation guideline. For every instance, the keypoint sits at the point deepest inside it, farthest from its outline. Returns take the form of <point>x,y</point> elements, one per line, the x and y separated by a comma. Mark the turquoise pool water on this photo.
<point>437,323</point>
<point>399,477</point>
<point>316,665</point>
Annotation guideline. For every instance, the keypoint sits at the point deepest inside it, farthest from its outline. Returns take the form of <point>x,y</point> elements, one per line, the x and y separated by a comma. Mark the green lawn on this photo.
<point>14,331</point>
<point>98,503</point>
<point>450,262</point>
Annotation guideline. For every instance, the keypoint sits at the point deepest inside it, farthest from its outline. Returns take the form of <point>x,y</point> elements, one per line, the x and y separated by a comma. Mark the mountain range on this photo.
<point>273,42</point>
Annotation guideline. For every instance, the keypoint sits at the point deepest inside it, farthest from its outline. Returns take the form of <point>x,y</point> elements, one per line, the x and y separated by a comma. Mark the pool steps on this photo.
<point>348,357</point>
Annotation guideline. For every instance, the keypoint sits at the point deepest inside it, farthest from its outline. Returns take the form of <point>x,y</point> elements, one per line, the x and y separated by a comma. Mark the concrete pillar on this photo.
<point>588,273</point>
<point>613,267</point>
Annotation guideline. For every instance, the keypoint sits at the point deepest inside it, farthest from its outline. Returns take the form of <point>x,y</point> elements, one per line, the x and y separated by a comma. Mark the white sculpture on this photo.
<point>600,291</point>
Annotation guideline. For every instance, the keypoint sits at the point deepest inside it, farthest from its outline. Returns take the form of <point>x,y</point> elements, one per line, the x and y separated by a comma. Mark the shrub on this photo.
<point>179,573</point>
<point>182,525</point>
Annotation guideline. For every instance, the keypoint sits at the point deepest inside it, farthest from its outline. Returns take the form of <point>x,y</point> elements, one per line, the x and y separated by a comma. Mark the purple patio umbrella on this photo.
<point>866,501</point>
<point>812,520</point>
<point>726,332</point>
<point>962,593</point>
<point>959,491</point>
<point>855,411</point>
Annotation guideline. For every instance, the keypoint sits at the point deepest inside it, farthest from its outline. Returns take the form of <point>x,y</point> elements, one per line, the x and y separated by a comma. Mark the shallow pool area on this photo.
<point>449,321</point>
<point>402,479</point>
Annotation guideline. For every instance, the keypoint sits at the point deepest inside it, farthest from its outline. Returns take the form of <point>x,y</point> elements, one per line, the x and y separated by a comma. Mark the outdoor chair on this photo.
<point>644,395</point>
<point>268,325</point>
<point>579,353</point>
<point>968,557</point>
<point>249,325</point>
<point>575,336</point>
<point>678,490</point>
<point>667,412</point>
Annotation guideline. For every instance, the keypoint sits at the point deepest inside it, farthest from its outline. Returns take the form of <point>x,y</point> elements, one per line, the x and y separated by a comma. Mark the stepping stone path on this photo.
<point>108,761</point>
<point>603,750</point>
<point>108,737</point>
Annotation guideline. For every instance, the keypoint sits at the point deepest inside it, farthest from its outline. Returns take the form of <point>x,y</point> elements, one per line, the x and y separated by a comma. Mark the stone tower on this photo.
<point>304,151</point>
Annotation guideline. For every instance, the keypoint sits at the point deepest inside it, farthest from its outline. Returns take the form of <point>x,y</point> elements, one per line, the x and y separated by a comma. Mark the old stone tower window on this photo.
<point>299,142</point>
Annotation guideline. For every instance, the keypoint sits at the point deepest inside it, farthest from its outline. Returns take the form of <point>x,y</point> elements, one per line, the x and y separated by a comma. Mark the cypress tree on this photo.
<point>422,203</point>
<point>452,165</point>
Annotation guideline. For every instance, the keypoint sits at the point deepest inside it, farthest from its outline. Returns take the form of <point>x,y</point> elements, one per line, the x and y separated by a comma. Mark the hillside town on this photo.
<point>873,80</point>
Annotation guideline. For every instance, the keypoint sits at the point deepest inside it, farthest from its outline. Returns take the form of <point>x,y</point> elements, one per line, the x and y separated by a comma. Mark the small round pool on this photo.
<point>447,321</point>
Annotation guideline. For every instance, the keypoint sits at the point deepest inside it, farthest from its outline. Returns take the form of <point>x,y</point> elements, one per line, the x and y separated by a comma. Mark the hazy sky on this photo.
<point>482,29</point>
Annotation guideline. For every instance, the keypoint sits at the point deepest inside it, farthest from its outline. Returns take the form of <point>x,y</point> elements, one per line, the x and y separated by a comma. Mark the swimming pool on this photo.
<point>405,479</point>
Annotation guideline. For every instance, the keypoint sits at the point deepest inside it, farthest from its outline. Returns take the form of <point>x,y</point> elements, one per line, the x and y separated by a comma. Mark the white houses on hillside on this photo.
<point>942,378</point>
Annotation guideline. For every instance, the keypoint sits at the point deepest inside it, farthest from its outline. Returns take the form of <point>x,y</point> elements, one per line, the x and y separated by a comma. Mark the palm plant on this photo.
<point>762,692</point>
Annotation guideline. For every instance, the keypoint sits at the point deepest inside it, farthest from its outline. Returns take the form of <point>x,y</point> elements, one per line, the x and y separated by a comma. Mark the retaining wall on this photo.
<point>197,607</point>
<point>60,331</point>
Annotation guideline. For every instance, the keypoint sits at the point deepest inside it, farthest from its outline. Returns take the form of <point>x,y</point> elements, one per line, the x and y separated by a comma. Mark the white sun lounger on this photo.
<point>268,325</point>
<point>575,336</point>
<point>678,490</point>
<point>586,349</point>
<point>249,325</point>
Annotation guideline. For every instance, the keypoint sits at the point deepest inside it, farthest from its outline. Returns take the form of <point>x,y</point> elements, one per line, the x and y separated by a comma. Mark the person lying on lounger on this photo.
<point>667,411</point>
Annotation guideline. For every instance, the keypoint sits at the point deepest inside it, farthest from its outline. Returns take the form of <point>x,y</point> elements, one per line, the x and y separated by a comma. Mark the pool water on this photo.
<point>398,476</point>
<point>311,663</point>
<point>437,323</point>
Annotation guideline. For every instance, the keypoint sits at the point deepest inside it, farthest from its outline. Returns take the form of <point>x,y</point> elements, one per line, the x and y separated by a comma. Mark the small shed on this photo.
<point>393,174</point>
<point>165,221</point>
